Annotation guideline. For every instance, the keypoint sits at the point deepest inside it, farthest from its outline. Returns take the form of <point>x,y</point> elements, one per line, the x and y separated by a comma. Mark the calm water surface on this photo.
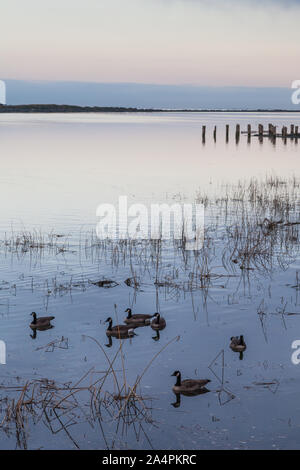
<point>55,171</point>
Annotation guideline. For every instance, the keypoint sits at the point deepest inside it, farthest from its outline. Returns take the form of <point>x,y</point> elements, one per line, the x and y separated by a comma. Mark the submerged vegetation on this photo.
<point>60,406</point>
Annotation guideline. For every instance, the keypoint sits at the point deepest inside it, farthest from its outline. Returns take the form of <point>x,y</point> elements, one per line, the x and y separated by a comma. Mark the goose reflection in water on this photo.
<point>177,403</point>
<point>40,328</point>
<point>157,336</point>
<point>120,336</point>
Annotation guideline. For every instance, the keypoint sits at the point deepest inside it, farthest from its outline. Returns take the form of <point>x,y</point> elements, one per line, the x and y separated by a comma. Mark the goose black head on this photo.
<point>128,310</point>
<point>108,320</point>
<point>156,317</point>
<point>176,373</point>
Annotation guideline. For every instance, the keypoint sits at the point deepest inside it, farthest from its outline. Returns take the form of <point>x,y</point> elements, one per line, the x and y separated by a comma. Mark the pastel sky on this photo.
<point>199,42</point>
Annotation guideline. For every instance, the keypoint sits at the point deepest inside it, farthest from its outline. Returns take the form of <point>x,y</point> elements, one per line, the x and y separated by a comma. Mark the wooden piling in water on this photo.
<point>291,133</point>
<point>284,134</point>
<point>203,133</point>
<point>237,132</point>
<point>273,134</point>
<point>270,130</point>
<point>227,132</point>
<point>249,134</point>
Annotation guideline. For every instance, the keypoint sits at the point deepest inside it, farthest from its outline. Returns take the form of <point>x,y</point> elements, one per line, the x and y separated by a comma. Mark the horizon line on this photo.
<point>192,85</point>
<point>65,108</point>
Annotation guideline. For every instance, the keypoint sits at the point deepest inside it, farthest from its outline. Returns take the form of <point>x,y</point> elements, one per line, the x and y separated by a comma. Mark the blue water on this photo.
<point>56,170</point>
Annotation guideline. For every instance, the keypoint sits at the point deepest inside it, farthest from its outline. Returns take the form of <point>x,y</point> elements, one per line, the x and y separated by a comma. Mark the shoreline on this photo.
<point>57,108</point>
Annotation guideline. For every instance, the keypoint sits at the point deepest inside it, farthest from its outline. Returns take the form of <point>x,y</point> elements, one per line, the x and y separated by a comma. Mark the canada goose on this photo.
<point>137,317</point>
<point>40,323</point>
<point>189,386</point>
<point>121,331</point>
<point>158,323</point>
<point>238,345</point>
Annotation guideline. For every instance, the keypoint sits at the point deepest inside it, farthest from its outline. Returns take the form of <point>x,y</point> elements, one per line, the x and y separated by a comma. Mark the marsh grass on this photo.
<point>35,241</point>
<point>251,227</point>
<point>59,406</point>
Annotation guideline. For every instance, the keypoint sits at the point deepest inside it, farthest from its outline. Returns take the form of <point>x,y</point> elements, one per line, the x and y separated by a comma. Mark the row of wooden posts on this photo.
<point>271,132</point>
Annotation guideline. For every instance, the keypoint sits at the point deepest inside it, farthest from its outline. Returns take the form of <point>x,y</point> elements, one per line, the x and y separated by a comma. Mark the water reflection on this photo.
<point>243,278</point>
<point>173,139</point>
<point>177,403</point>
<point>40,328</point>
<point>118,337</point>
<point>157,336</point>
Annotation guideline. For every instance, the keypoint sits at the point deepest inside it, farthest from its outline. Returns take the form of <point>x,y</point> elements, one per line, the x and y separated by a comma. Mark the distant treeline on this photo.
<point>62,108</point>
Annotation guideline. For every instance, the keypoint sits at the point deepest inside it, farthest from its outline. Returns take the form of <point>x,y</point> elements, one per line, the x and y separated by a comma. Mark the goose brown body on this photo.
<point>238,344</point>
<point>188,386</point>
<point>40,323</point>
<point>158,323</point>
<point>120,331</point>
<point>141,318</point>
